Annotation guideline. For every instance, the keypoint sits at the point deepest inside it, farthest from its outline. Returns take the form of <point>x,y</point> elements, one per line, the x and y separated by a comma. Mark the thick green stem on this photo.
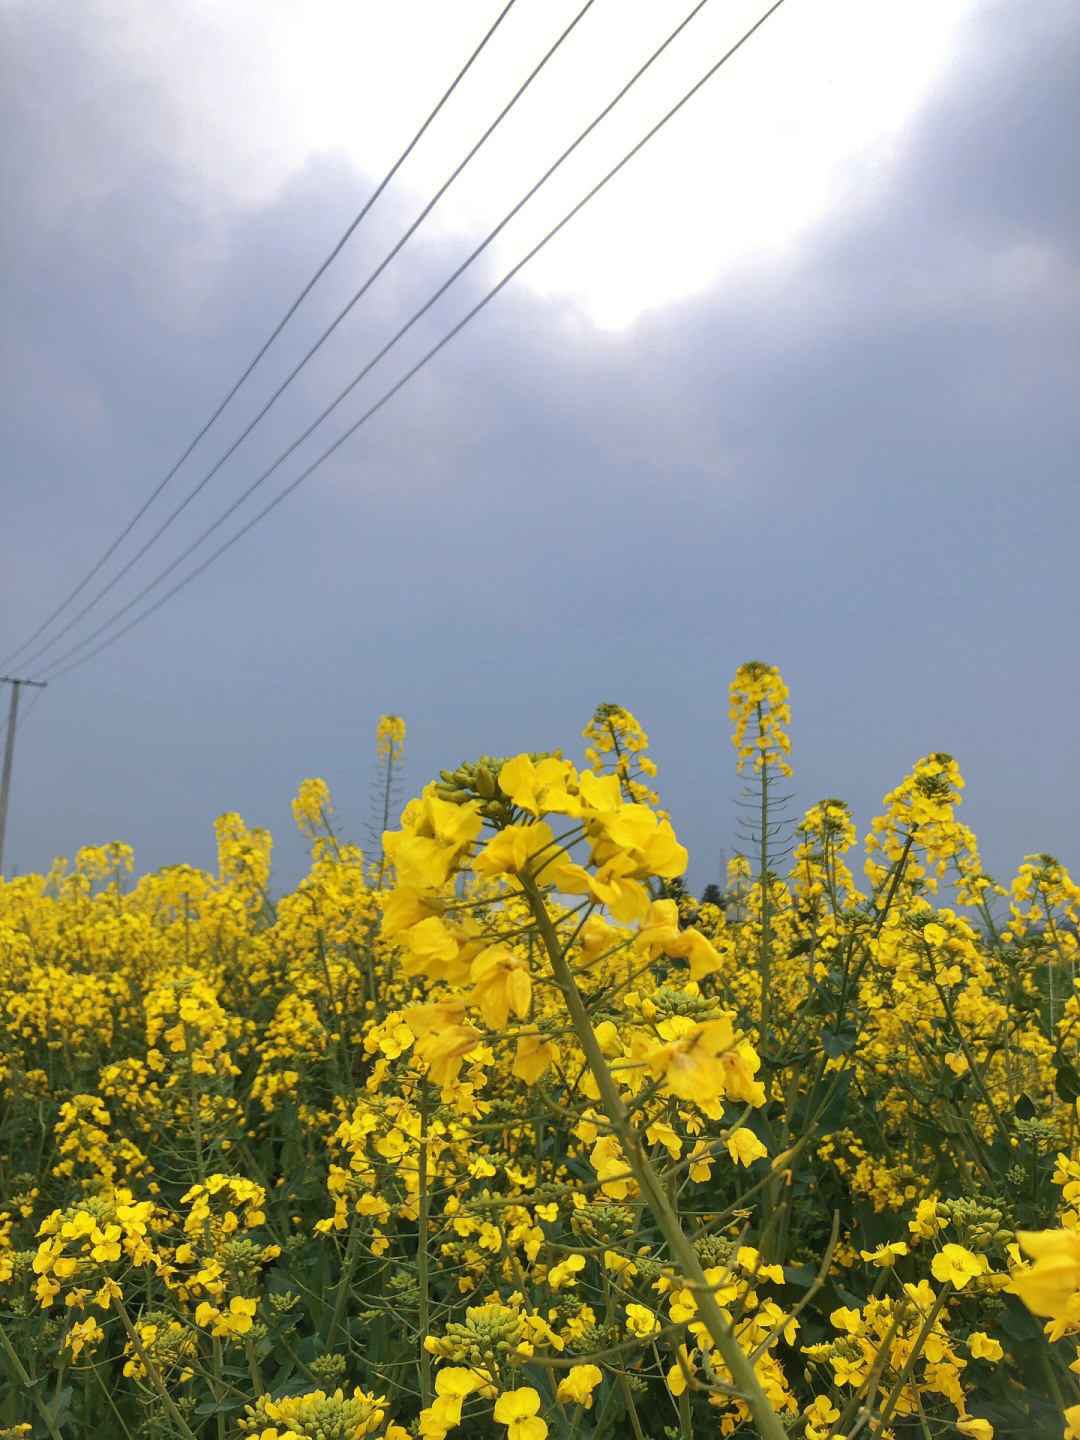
<point>767,1421</point>
<point>153,1373</point>
<point>253,1365</point>
<point>686,1419</point>
<point>631,1408</point>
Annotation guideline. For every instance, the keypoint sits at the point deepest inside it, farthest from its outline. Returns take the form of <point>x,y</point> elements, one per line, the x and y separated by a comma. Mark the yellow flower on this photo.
<point>540,787</point>
<point>512,849</point>
<point>619,1264</point>
<point>659,933</point>
<point>821,1415</point>
<point>421,861</point>
<point>578,1384</point>
<point>534,1055</point>
<point>960,1266</point>
<point>566,1272</point>
<point>501,983</point>
<point>677,1375</point>
<point>441,1039</point>
<point>84,1333</point>
<point>702,1158</point>
<point>612,884</point>
<point>608,1161</point>
<point>982,1347</point>
<point>403,908</point>
<point>641,1321</point>
<point>440,1417</point>
<point>108,1291</point>
<point>848,1370</point>
<point>690,1064</point>
<point>884,1255</point>
<point>660,1132</point>
<point>751,1261</point>
<point>390,737</point>
<point>517,1410</point>
<point>975,1429</point>
<point>454,1382</point>
<point>106,1246</point>
<point>312,805</point>
<point>1049,1287</point>
<point>926,1223</point>
<point>744,1147</point>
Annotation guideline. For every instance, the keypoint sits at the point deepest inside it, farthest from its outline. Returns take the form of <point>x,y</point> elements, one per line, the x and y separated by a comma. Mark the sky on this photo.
<point>798,385</point>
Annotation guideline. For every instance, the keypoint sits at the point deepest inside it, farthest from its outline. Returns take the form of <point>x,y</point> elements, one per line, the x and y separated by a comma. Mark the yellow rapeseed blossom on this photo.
<point>484,1112</point>
<point>517,1410</point>
<point>1051,1286</point>
<point>578,1384</point>
<point>957,1265</point>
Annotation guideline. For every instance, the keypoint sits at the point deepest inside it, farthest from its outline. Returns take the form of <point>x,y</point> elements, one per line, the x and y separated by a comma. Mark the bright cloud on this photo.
<point>239,96</point>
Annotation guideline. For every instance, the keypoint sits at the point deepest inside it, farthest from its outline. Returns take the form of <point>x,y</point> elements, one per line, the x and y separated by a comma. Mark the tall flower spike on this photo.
<point>759,711</point>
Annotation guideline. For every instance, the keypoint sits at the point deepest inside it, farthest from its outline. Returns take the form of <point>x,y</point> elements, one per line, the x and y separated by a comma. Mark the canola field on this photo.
<point>501,1133</point>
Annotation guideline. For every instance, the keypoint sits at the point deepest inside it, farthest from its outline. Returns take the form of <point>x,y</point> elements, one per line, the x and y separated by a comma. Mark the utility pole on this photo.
<point>9,751</point>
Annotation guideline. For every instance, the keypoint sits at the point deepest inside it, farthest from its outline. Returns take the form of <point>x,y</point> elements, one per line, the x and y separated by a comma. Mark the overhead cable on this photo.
<point>402,331</point>
<point>209,475</point>
<point>263,349</point>
<point>404,379</point>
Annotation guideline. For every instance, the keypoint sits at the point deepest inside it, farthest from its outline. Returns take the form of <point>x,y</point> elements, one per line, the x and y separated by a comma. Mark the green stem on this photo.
<point>916,1351</point>
<point>631,1408</point>
<point>742,1371</point>
<point>686,1421</point>
<point>253,1365</point>
<point>153,1373</point>
<point>17,1366</point>
<point>352,1254</point>
<point>218,1385</point>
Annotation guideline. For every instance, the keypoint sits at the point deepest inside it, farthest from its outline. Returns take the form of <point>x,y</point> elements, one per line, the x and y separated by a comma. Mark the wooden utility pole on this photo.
<point>9,750</point>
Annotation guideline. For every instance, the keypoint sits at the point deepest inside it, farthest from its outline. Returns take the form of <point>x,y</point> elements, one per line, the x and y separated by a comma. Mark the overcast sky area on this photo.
<point>800,385</point>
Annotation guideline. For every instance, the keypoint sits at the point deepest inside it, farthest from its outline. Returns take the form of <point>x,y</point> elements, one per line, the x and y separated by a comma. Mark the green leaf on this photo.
<point>1018,1322</point>
<point>1067,1079</point>
<point>839,1042</point>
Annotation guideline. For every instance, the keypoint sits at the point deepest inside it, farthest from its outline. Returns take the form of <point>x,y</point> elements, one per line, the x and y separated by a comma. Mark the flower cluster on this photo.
<point>501,1132</point>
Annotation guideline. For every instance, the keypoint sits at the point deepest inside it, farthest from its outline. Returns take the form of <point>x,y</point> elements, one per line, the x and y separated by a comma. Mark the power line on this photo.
<point>196,490</point>
<point>434,350</point>
<point>462,267</point>
<point>266,345</point>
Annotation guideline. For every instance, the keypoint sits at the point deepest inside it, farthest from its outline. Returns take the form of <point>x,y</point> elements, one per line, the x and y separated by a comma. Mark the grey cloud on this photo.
<point>858,465</point>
